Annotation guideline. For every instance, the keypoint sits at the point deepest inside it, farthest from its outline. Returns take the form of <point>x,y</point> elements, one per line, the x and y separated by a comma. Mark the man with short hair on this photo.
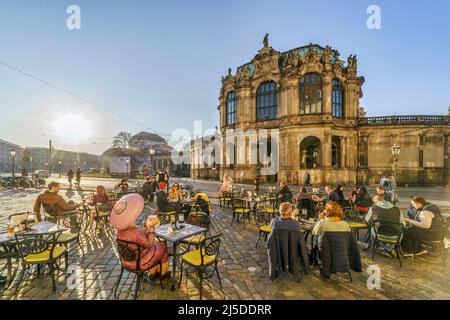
<point>286,219</point>
<point>381,191</point>
<point>52,202</point>
<point>383,212</point>
<point>331,195</point>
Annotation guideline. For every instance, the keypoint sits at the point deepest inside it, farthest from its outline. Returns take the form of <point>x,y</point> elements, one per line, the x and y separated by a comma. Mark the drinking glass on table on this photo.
<point>10,229</point>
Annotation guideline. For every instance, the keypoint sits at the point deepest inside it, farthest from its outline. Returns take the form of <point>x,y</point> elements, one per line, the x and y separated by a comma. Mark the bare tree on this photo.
<point>122,141</point>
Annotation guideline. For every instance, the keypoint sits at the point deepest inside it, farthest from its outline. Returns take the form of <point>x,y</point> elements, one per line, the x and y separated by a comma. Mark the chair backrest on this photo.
<point>387,229</point>
<point>35,243</point>
<point>200,219</point>
<point>18,219</point>
<point>129,252</point>
<point>72,220</point>
<point>238,203</point>
<point>210,247</point>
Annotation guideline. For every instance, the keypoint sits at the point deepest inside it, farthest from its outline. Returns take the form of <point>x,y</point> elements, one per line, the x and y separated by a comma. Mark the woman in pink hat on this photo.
<point>123,218</point>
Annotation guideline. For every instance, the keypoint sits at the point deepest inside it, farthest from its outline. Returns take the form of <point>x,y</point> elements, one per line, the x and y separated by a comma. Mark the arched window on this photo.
<point>311,94</point>
<point>338,99</point>
<point>231,108</point>
<point>310,153</point>
<point>267,101</point>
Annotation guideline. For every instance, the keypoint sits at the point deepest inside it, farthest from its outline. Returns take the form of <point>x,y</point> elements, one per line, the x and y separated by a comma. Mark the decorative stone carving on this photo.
<point>266,40</point>
<point>266,62</point>
<point>351,66</point>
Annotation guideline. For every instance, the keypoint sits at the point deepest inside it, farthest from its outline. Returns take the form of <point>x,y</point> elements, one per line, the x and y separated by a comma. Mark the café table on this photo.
<point>175,237</point>
<point>8,242</point>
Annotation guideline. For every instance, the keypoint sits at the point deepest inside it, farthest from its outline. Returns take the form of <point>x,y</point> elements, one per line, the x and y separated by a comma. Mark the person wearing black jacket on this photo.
<point>163,204</point>
<point>149,189</point>
<point>285,194</point>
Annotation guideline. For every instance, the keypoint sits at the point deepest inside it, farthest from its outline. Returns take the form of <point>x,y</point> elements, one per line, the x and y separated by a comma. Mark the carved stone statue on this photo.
<point>229,72</point>
<point>266,40</point>
<point>327,54</point>
<point>351,65</point>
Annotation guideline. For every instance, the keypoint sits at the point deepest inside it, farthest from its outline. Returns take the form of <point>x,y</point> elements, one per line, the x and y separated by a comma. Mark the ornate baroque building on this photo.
<point>312,97</point>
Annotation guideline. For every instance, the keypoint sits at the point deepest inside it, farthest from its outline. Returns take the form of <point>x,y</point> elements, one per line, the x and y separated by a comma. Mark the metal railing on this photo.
<point>424,120</point>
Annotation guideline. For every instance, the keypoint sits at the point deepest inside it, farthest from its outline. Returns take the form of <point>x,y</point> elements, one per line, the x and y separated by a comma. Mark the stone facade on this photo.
<point>311,97</point>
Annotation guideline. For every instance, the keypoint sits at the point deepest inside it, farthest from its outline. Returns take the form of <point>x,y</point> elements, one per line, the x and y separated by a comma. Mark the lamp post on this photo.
<point>128,167</point>
<point>152,153</point>
<point>13,155</point>
<point>59,168</point>
<point>395,155</point>
<point>31,164</point>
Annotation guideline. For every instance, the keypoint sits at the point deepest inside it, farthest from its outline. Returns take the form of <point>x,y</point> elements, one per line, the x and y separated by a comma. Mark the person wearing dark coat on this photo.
<point>285,194</point>
<point>339,252</point>
<point>381,191</point>
<point>287,250</point>
<point>163,204</point>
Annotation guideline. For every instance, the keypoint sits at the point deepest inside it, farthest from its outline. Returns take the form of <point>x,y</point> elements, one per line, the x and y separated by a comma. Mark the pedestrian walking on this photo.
<point>78,178</point>
<point>70,175</point>
<point>307,180</point>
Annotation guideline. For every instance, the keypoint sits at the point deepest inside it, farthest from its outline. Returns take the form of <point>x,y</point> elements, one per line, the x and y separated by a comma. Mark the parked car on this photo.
<point>42,174</point>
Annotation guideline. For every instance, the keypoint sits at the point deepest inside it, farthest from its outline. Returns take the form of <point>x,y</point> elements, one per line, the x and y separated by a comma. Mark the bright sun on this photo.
<point>72,128</point>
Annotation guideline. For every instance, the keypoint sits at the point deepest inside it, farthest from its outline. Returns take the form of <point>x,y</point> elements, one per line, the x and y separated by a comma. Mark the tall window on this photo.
<point>231,108</point>
<point>267,101</point>
<point>338,99</point>
<point>310,153</point>
<point>311,94</point>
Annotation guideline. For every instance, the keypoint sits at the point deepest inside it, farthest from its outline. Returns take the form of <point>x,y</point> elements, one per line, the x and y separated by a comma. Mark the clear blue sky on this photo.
<point>160,62</point>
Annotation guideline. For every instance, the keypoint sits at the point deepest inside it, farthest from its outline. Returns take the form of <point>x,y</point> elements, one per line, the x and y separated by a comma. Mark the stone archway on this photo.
<point>310,153</point>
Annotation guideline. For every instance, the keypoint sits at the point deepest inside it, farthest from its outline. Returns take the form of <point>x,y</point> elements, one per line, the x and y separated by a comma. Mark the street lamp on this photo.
<point>31,164</point>
<point>13,155</point>
<point>59,168</point>
<point>128,165</point>
<point>395,149</point>
<point>152,153</point>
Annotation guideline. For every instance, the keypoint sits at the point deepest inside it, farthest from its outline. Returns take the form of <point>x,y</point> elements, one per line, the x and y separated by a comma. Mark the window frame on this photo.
<point>306,103</point>
<point>267,101</point>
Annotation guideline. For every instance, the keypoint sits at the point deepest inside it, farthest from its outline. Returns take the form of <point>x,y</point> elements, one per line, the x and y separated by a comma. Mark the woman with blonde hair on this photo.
<point>227,185</point>
<point>175,193</point>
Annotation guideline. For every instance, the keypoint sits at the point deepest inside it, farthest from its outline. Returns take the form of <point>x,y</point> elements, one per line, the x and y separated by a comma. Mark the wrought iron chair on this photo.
<point>225,199</point>
<point>438,245</point>
<point>389,233</point>
<point>102,213</point>
<point>240,210</point>
<point>263,230</point>
<point>38,249</point>
<point>73,221</point>
<point>207,255</point>
<point>130,252</point>
<point>200,219</point>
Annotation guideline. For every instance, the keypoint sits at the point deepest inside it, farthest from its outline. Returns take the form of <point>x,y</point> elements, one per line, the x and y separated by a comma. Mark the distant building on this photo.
<point>6,158</point>
<point>311,98</point>
<point>149,152</point>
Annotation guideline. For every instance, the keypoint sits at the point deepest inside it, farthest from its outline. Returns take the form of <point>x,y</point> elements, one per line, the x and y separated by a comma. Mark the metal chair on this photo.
<point>73,221</point>
<point>240,210</point>
<point>389,233</point>
<point>130,252</point>
<point>207,255</point>
<point>263,230</point>
<point>38,249</point>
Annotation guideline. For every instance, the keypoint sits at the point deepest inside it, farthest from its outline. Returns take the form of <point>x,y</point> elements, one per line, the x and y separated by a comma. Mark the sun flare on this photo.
<point>72,128</point>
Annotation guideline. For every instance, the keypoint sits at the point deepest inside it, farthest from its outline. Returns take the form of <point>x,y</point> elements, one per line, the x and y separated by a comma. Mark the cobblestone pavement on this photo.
<point>422,278</point>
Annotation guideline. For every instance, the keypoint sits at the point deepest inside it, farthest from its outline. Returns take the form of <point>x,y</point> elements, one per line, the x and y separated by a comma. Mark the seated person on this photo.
<point>227,185</point>
<point>123,218</point>
<point>362,200</point>
<point>52,202</point>
<point>100,197</point>
<point>303,194</point>
<point>285,194</point>
<point>330,195</point>
<point>428,225</point>
<point>384,211</point>
<point>163,204</point>
<point>175,194</point>
<point>122,185</point>
<point>381,191</point>
<point>330,220</point>
<point>286,220</point>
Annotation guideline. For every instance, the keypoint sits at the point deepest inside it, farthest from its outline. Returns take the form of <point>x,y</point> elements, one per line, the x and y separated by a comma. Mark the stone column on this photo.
<point>326,150</point>
<point>342,152</point>
<point>327,94</point>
